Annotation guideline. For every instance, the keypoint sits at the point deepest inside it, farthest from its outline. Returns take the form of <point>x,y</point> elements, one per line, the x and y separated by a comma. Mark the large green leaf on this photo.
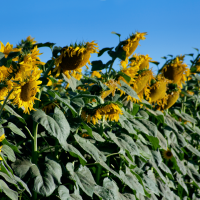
<point>181,181</point>
<point>132,181</point>
<point>83,178</point>
<point>139,126</point>
<point>126,124</point>
<point>15,129</point>
<point>57,126</point>
<point>12,112</point>
<point>9,152</point>
<point>63,193</point>
<point>48,179</point>
<point>10,193</point>
<point>193,150</point>
<point>162,140</point>
<point>127,89</point>
<point>72,81</point>
<point>90,148</point>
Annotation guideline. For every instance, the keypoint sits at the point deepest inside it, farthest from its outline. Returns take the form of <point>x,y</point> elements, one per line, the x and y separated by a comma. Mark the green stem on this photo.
<point>98,173</point>
<point>109,71</point>
<point>184,100</point>
<point>56,148</point>
<point>4,103</point>
<point>35,150</point>
<point>29,132</point>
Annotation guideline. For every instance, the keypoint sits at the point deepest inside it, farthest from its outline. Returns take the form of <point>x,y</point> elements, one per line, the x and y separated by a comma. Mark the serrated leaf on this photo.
<point>15,129</point>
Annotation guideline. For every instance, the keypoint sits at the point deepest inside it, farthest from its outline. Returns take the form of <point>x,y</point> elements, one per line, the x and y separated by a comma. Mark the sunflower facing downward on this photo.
<point>26,91</point>
<point>167,154</point>
<point>72,58</point>
<point>110,111</point>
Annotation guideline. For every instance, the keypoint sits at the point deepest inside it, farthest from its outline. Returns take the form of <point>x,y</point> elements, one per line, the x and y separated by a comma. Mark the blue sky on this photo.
<point>172,26</point>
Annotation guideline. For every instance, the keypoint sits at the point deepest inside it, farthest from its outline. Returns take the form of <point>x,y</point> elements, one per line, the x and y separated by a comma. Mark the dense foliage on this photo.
<point>117,135</point>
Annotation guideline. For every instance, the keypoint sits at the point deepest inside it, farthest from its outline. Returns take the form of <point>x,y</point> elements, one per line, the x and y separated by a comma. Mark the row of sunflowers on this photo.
<point>108,134</point>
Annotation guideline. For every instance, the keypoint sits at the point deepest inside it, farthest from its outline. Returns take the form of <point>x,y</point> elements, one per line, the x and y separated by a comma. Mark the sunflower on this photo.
<point>110,111</point>
<point>73,58</point>
<point>5,90</point>
<point>176,70</point>
<point>26,91</point>
<point>31,40</point>
<point>112,84</point>
<point>7,49</point>
<point>132,42</point>
<point>158,88</point>
<point>167,154</point>
<point>2,137</point>
<point>142,61</point>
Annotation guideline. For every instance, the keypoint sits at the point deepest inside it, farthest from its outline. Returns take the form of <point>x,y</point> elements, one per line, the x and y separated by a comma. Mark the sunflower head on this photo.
<point>8,48</point>
<point>132,42</point>
<point>176,71</point>
<point>74,57</point>
<point>142,61</point>
<point>167,154</point>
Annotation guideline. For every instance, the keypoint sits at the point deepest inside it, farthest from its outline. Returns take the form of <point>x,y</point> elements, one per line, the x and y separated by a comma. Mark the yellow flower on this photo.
<point>112,84</point>
<point>142,61</point>
<point>96,73</point>
<point>132,43</point>
<point>172,98</point>
<point>190,92</point>
<point>110,111</point>
<point>167,154</point>
<point>7,49</point>
<point>26,91</point>
<point>5,90</point>
<point>31,40</point>
<point>176,70</point>
<point>72,59</point>
<point>2,137</point>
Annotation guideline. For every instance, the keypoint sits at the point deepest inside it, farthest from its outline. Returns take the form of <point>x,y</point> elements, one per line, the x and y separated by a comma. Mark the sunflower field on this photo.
<point>104,134</point>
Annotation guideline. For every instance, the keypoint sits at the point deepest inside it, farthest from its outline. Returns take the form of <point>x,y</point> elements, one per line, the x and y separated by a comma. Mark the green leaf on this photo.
<point>56,50</point>
<point>98,137</point>
<point>154,142</point>
<point>78,101</point>
<point>57,126</point>
<point>90,148</point>
<point>181,181</point>
<point>152,128</point>
<point>162,140</point>
<point>143,150</point>
<point>155,62</point>
<point>9,152</point>
<point>193,150</point>
<point>47,44</point>
<point>103,51</point>
<point>15,129</point>
<point>116,34</point>
<point>127,89</point>
<point>126,124</point>
<point>132,181</point>
<point>89,130</point>
<point>99,100</point>
<point>72,82</point>
<point>126,77</point>
<point>10,193</point>
<point>83,177</point>
<point>63,193</point>
<point>97,65</point>
<point>48,179</point>
<point>12,112</point>
<point>2,121</point>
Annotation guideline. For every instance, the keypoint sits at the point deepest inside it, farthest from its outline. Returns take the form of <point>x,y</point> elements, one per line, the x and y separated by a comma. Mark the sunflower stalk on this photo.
<point>35,150</point>
<point>184,100</point>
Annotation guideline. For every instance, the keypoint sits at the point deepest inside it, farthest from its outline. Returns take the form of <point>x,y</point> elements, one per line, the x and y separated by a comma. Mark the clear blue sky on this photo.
<point>172,25</point>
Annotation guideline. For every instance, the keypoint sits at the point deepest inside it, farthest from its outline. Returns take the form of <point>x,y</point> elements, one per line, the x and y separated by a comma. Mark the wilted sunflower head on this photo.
<point>74,57</point>
<point>167,154</point>
<point>132,42</point>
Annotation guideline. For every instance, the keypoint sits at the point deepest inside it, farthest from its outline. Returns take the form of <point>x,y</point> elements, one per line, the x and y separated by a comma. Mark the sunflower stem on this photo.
<point>4,103</point>
<point>35,151</point>
<point>184,100</point>
<point>113,60</point>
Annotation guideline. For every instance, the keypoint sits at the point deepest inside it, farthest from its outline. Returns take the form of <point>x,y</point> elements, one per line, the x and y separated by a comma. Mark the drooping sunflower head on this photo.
<point>109,111</point>
<point>26,90</point>
<point>158,88</point>
<point>167,154</point>
<point>176,71</point>
<point>142,61</point>
<point>132,42</point>
<point>74,57</point>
